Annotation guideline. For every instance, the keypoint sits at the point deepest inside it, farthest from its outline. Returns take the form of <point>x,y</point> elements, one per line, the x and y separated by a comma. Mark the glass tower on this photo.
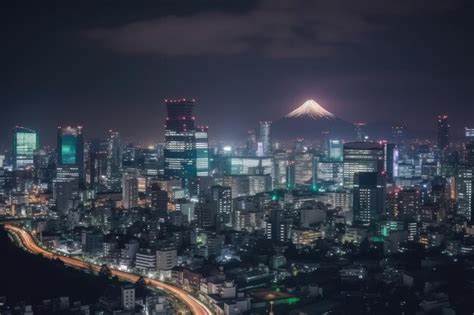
<point>70,154</point>
<point>361,157</point>
<point>202,151</point>
<point>25,142</point>
<point>180,142</point>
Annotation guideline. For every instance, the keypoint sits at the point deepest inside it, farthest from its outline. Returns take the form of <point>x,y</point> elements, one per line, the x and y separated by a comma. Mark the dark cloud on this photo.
<point>274,28</point>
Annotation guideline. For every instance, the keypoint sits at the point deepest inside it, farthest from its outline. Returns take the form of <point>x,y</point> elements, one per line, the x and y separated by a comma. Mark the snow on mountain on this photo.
<point>312,109</point>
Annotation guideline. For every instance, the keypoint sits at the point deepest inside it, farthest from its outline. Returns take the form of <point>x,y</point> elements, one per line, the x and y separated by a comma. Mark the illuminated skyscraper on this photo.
<point>180,143</point>
<point>25,142</point>
<point>336,150</point>
<point>369,197</point>
<point>443,132</point>
<point>202,151</point>
<point>390,164</point>
<point>465,193</point>
<point>70,154</point>
<point>280,166</point>
<point>361,157</point>
<point>265,139</point>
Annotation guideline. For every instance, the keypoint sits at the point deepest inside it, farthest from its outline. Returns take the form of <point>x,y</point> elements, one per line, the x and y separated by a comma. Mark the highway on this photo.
<point>29,243</point>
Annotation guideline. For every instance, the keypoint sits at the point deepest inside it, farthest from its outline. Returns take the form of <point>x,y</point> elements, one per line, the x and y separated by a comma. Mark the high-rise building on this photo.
<point>159,198</point>
<point>280,165</point>
<point>251,144</point>
<point>129,190</point>
<point>25,142</point>
<point>114,158</point>
<point>465,193</point>
<point>180,143</point>
<point>390,163</point>
<point>278,228</point>
<point>369,197</point>
<point>70,155</point>
<point>303,168</point>
<point>361,157</point>
<point>221,196</point>
<point>409,203</point>
<point>336,150</point>
<point>443,132</point>
<point>265,139</point>
<point>96,162</point>
<point>398,135</point>
<point>202,151</point>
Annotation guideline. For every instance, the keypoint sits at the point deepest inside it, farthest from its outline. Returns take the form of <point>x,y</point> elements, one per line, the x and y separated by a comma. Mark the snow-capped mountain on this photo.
<point>310,120</point>
<point>312,109</point>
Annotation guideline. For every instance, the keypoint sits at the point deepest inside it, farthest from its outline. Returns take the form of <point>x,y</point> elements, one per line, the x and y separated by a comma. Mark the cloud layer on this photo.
<point>279,29</point>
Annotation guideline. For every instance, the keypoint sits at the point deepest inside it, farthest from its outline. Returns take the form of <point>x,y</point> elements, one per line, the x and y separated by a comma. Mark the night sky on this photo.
<point>110,64</point>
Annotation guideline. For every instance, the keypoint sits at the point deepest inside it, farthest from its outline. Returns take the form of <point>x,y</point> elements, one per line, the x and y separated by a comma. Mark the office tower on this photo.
<point>360,129</point>
<point>202,151</point>
<point>180,147</point>
<point>336,150</point>
<point>166,258</point>
<point>70,155</point>
<point>290,175</point>
<point>361,157</point>
<point>130,190</point>
<point>159,198</point>
<point>390,162</point>
<point>398,135</point>
<point>265,139</point>
<point>25,142</point>
<point>409,203</point>
<point>114,158</point>
<point>464,192</point>
<point>469,132</point>
<point>128,155</point>
<point>206,215</point>
<point>369,197</point>
<point>329,171</point>
<point>96,162</point>
<point>221,196</point>
<point>251,143</point>
<point>63,193</point>
<point>303,168</point>
<point>278,228</point>
<point>443,132</point>
<point>280,165</point>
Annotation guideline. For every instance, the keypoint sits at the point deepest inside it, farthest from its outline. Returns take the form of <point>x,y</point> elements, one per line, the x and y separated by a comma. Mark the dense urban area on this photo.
<point>329,224</point>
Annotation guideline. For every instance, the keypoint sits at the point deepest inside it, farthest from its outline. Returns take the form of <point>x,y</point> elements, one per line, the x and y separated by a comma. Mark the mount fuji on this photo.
<point>311,120</point>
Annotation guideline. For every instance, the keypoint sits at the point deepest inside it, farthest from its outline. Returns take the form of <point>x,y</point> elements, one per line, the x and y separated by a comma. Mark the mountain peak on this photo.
<point>311,109</point>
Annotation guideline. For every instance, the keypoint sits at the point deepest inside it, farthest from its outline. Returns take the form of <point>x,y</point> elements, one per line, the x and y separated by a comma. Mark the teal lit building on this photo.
<point>70,154</point>
<point>25,142</point>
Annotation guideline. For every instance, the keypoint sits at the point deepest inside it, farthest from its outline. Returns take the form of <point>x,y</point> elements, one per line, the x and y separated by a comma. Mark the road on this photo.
<point>28,242</point>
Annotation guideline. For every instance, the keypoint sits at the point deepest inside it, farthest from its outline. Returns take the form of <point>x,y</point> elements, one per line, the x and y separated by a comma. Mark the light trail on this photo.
<point>28,242</point>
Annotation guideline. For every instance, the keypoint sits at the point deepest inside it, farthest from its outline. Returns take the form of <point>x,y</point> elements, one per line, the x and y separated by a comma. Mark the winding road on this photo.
<point>29,243</point>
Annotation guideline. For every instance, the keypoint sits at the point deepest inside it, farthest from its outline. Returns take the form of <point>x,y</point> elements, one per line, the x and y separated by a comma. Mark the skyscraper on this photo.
<point>361,157</point>
<point>129,190</point>
<point>202,151</point>
<point>70,154</point>
<point>443,132</point>
<point>336,150</point>
<point>369,197</point>
<point>180,143</point>
<point>114,158</point>
<point>265,139</point>
<point>390,164</point>
<point>25,142</point>
<point>222,198</point>
<point>465,193</point>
